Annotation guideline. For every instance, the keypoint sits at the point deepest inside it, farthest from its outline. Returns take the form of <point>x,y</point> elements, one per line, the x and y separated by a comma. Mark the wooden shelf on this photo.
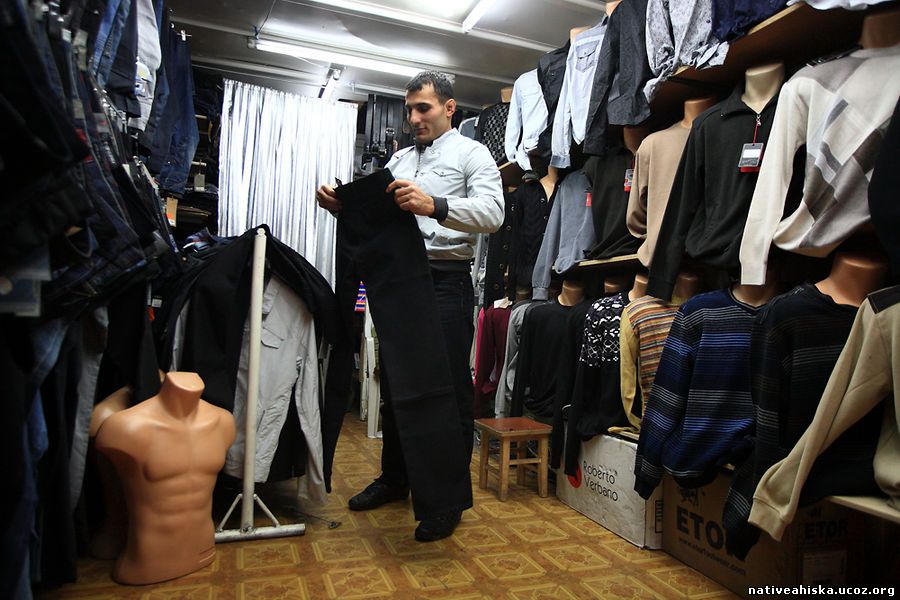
<point>628,262</point>
<point>871,505</point>
<point>796,35</point>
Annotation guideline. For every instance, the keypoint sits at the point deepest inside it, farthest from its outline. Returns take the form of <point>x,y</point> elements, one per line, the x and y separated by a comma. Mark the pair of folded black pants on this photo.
<point>381,244</point>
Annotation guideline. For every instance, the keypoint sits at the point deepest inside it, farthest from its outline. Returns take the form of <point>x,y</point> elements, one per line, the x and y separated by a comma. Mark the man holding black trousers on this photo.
<point>452,186</point>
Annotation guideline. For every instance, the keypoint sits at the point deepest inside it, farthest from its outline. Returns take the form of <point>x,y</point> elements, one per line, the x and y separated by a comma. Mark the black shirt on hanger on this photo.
<point>711,194</point>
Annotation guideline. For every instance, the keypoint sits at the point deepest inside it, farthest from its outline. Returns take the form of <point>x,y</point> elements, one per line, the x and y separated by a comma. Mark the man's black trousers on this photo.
<point>424,435</point>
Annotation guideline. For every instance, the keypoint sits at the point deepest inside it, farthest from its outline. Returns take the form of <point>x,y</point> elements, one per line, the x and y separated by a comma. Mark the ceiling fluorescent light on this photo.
<point>475,14</point>
<point>326,56</point>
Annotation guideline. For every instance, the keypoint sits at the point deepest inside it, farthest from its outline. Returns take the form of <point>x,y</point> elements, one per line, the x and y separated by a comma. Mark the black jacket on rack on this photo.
<point>219,292</point>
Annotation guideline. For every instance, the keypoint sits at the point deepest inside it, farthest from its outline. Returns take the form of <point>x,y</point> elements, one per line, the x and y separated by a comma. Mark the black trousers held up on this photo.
<point>381,244</point>
<point>455,304</point>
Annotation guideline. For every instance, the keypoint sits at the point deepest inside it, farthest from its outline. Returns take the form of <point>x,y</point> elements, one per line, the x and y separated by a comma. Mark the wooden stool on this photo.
<point>519,430</point>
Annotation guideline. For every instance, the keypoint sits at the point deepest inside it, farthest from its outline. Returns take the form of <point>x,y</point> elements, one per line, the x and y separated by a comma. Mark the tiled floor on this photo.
<point>525,548</point>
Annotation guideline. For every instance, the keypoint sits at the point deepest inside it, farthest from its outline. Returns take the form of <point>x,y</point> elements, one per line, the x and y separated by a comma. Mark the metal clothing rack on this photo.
<point>248,497</point>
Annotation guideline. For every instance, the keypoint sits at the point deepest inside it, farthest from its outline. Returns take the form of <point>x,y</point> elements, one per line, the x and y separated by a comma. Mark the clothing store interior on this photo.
<point>459,300</point>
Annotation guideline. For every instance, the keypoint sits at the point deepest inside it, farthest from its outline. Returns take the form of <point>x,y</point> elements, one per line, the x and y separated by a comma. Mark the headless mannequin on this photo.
<point>109,539</point>
<point>167,452</point>
<point>693,107</point>
<point>881,30</point>
<point>639,289</point>
<point>758,295</point>
<point>506,94</point>
<point>633,136</point>
<point>549,181</point>
<point>573,33</point>
<point>572,293</point>
<point>761,84</point>
<point>686,285</point>
<point>854,276</point>
<point>615,284</point>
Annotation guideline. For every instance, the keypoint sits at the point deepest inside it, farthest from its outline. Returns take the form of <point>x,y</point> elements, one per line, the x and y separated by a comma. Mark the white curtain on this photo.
<point>276,149</point>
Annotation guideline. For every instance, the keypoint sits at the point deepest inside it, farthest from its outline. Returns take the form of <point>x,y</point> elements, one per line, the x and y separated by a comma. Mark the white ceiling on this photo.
<point>507,40</point>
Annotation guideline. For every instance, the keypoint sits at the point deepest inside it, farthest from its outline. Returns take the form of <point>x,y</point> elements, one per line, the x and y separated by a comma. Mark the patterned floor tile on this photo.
<point>527,547</point>
<point>356,468</point>
<point>628,551</point>
<point>687,581</point>
<point>267,555</point>
<point>574,558</point>
<point>510,509</point>
<point>537,531</point>
<point>287,588</point>
<point>404,544</point>
<point>342,549</point>
<point>620,587</point>
<point>181,592</point>
<point>351,584</point>
<point>545,591</point>
<point>345,456</point>
<point>585,526</point>
<point>436,574</point>
<point>387,518</point>
<point>509,565</point>
<point>478,536</point>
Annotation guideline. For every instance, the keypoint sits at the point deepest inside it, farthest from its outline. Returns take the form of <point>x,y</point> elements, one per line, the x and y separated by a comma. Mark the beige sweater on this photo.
<point>655,165</point>
<point>867,372</point>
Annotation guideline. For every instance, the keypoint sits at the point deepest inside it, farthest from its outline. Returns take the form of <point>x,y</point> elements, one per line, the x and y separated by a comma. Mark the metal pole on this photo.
<point>248,498</point>
<point>256,299</point>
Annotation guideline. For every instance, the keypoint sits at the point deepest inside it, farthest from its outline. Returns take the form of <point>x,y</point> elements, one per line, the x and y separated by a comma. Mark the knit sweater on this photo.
<point>699,411</point>
<point>864,378</point>
<point>644,329</point>
<point>655,165</point>
<point>596,405</point>
<point>795,344</point>
<point>840,110</point>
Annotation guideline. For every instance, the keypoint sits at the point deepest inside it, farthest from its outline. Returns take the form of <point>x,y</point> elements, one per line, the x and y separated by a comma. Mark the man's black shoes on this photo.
<point>437,528</point>
<point>377,494</point>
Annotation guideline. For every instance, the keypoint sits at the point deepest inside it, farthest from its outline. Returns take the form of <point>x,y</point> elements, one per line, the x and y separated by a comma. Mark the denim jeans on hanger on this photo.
<point>381,245</point>
<point>181,124</point>
<point>112,25</point>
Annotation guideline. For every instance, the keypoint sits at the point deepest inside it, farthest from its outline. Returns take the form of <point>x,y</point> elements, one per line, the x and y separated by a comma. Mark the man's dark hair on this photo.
<point>441,84</point>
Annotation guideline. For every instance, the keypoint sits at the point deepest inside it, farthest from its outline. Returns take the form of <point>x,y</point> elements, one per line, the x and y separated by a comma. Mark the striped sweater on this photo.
<point>644,329</point>
<point>700,411</point>
<point>796,341</point>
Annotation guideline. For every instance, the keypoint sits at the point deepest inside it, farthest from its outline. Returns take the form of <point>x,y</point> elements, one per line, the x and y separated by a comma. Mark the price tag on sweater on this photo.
<point>751,156</point>
<point>588,199</point>
<point>629,179</point>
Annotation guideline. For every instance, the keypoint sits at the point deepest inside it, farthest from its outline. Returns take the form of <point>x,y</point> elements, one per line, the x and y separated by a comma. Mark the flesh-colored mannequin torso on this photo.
<point>109,538</point>
<point>573,33</point>
<point>634,135</point>
<point>548,181</point>
<point>167,452</point>
<point>687,285</point>
<point>611,6</point>
<point>693,108</point>
<point>881,30</point>
<point>853,277</point>
<point>615,284</point>
<point>761,84</point>
<point>639,288</point>
<point>572,293</point>
<point>757,295</point>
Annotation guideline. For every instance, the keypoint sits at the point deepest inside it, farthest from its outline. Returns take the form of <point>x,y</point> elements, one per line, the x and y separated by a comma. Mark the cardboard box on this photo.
<point>603,491</point>
<point>823,546</point>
